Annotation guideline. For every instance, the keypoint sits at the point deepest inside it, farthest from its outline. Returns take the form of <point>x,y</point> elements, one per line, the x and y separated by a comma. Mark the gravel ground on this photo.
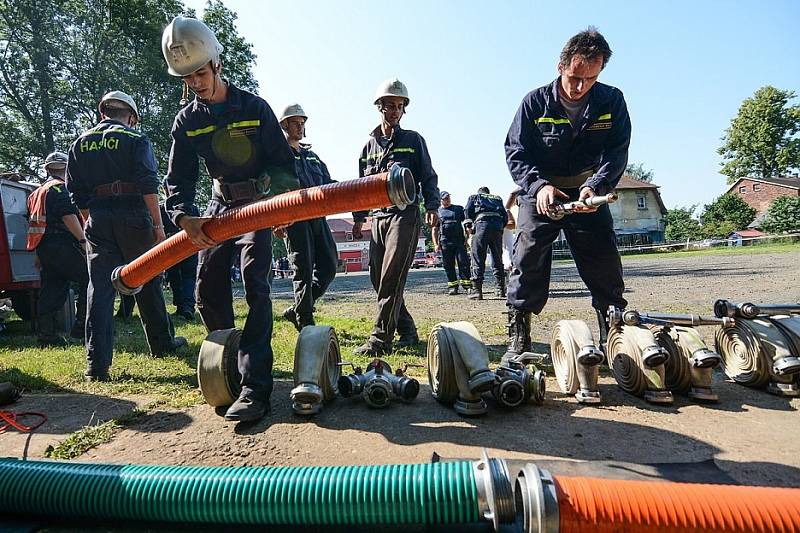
<point>749,434</point>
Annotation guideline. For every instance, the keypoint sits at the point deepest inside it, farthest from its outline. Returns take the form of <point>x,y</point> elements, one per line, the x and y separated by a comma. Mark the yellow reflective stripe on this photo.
<point>376,155</point>
<point>32,229</point>
<point>551,120</point>
<point>404,150</point>
<point>113,130</point>
<point>37,218</point>
<point>607,116</point>
<point>201,131</point>
<point>244,124</point>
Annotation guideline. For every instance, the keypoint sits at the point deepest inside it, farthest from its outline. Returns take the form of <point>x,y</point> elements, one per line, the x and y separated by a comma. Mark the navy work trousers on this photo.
<point>593,244</point>
<point>391,252</point>
<point>452,254</point>
<point>63,261</point>
<point>119,232</point>
<point>487,237</point>
<point>215,300</point>
<point>312,253</point>
<point>181,278</point>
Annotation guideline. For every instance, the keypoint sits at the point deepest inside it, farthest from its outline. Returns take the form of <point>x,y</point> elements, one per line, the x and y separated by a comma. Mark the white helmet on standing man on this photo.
<point>114,98</point>
<point>55,161</point>
<point>188,45</point>
<point>292,110</point>
<point>392,87</point>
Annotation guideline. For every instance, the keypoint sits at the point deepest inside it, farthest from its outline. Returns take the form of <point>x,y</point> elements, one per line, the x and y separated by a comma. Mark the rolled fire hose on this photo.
<point>790,327</point>
<point>637,362</point>
<point>395,187</point>
<point>579,504</point>
<point>449,344</point>
<point>677,374</point>
<point>701,361</point>
<point>218,367</point>
<point>576,360</point>
<point>459,492</point>
<point>433,494</point>
<point>750,348</point>
<point>316,369</point>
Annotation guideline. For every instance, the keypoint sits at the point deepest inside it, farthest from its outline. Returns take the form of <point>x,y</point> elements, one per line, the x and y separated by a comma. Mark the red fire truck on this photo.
<point>19,277</point>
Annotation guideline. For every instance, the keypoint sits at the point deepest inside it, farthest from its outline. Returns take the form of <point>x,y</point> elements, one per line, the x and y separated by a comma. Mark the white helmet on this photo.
<point>118,96</point>
<point>188,44</point>
<point>392,87</point>
<point>292,110</point>
<point>55,161</point>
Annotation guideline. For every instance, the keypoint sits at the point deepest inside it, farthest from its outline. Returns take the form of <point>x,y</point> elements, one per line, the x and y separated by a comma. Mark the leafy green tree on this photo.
<point>783,215</point>
<point>278,248</point>
<point>638,172</point>
<point>238,58</point>
<point>726,214</point>
<point>762,140</point>
<point>681,224</point>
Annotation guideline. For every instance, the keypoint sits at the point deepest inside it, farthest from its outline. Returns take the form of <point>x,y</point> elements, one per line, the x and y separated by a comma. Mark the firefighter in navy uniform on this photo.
<point>569,140</point>
<point>238,136</point>
<point>486,218</point>
<point>449,239</point>
<point>312,250</point>
<point>395,231</point>
<point>112,179</point>
<point>56,233</point>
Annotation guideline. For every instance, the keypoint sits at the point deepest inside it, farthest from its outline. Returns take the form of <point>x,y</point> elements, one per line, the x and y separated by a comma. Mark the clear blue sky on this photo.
<point>684,67</point>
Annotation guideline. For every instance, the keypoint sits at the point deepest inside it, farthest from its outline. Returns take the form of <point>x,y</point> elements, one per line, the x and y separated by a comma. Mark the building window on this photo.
<point>641,202</point>
<point>348,236</point>
<point>742,190</point>
<point>756,187</point>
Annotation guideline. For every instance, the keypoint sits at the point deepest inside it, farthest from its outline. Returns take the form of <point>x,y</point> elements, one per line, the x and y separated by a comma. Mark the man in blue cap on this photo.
<point>450,240</point>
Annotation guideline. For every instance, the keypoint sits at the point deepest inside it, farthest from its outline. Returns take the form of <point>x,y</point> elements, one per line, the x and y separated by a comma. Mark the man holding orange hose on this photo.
<point>238,136</point>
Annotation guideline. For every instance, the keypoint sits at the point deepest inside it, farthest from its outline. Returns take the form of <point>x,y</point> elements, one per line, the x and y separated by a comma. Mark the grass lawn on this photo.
<point>171,381</point>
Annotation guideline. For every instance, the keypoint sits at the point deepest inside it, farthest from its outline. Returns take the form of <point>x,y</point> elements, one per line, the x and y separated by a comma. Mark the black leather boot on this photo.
<point>519,331</point>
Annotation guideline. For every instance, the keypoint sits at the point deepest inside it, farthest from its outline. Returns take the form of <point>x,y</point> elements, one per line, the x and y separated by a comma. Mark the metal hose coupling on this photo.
<point>495,495</point>
<point>400,186</point>
<point>119,285</point>
<point>726,308</point>
<point>559,211</point>
<point>378,384</point>
<point>316,369</point>
<point>536,500</point>
<point>518,380</point>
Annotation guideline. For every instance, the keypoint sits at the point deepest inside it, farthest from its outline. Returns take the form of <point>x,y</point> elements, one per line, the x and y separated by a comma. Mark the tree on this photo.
<point>278,248</point>
<point>638,172</point>
<point>783,215</point>
<point>726,214</point>
<point>58,58</point>
<point>761,141</point>
<point>681,224</point>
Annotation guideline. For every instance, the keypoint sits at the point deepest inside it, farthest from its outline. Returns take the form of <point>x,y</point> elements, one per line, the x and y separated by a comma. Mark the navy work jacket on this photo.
<point>107,153</point>
<point>540,141</point>
<point>309,168</point>
<point>488,209</point>
<point>242,141</point>
<point>407,148</point>
<point>451,230</point>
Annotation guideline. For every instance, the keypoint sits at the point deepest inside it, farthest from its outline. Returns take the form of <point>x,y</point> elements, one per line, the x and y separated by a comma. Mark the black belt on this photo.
<point>117,188</point>
<point>236,191</point>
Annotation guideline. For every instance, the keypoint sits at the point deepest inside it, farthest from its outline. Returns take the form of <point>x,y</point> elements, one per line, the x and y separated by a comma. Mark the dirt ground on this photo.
<point>750,435</point>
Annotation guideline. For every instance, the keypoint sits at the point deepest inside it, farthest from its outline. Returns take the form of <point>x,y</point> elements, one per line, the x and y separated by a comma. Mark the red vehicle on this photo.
<point>434,260</point>
<point>420,260</point>
<point>19,277</point>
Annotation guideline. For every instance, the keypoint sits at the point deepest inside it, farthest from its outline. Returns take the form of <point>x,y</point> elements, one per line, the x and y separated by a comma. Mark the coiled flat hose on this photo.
<point>567,339</point>
<point>446,342</point>
<point>395,187</point>
<point>748,349</point>
<point>438,493</point>
<point>316,359</point>
<point>610,506</point>
<point>625,358</point>
<point>677,373</point>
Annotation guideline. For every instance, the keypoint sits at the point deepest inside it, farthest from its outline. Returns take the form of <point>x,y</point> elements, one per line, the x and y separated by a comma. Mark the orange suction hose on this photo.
<point>578,504</point>
<point>395,187</point>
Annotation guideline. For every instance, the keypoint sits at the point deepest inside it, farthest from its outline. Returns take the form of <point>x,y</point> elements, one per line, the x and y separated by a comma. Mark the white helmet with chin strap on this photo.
<point>188,45</point>
<point>55,161</point>
<point>392,87</point>
<point>114,98</point>
<point>292,110</point>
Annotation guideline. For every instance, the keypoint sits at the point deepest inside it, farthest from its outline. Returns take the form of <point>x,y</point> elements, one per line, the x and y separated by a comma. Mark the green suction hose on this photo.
<point>438,493</point>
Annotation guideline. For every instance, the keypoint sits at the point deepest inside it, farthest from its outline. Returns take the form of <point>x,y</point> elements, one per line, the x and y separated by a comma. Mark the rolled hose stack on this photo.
<point>637,362</point>
<point>445,493</point>
<point>576,360</point>
<point>395,187</point>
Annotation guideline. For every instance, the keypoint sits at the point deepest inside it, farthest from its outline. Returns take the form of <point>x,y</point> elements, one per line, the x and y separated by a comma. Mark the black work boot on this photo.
<point>177,342</point>
<point>291,316</point>
<point>477,291</point>
<point>501,286</point>
<point>372,349</point>
<point>407,340</point>
<point>519,331</point>
<point>246,409</point>
<point>602,323</point>
<point>453,290</point>
<point>47,333</point>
